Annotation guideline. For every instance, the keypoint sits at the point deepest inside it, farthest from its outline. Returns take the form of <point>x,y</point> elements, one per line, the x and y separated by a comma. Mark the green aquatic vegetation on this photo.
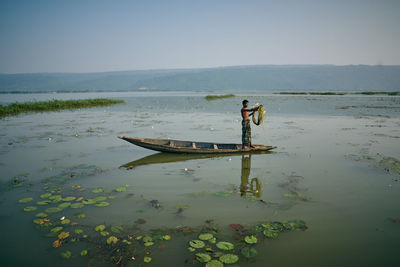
<point>41,215</point>
<point>65,221</point>
<point>88,201</point>
<point>54,197</point>
<point>54,105</point>
<point>64,205</point>
<point>225,245</point>
<point>205,236</point>
<point>203,257</point>
<point>104,233</point>
<point>84,252</point>
<point>111,197</point>
<point>140,211</point>
<point>66,255</point>
<point>63,235</point>
<point>147,259</point>
<point>80,215</point>
<point>147,238</point>
<point>43,202</point>
<point>102,204</point>
<point>77,205</point>
<point>71,198</point>
<point>249,252</point>
<point>197,243</point>
<point>116,229</point>
<point>148,244</point>
<point>25,200</point>
<point>166,237</point>
<point>223,194</point>
<point>30,208</point>
<point>112,240</point>
<point>100,199</point>
<point>216,97</point>
<point>98,190</point>
<point>56,229</point>
<point>250,239</point>
<point>273,234</point>
<point>214,263</point>
<point>100,227</point>
<point>229,258</point>
<point>120,189</point>
<point>78,231</point>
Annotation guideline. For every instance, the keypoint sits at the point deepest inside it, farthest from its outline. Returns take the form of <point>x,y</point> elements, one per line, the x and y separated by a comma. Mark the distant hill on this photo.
<point>235,79</point>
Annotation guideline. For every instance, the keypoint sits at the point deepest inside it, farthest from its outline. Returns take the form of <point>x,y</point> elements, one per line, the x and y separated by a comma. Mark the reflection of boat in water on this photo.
<point>190,147</point>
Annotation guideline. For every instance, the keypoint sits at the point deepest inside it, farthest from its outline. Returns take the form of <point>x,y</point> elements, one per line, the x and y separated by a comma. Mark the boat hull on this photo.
<point>189,147</point>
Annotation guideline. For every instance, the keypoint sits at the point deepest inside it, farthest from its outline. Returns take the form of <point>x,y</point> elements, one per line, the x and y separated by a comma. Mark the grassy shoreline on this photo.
<point>54,105</point>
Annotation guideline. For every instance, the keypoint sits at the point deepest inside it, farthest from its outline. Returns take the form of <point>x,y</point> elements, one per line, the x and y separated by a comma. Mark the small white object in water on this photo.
<point>186,169</point>
<point>62,218</point>
<point>49,139</point>
<point>230,159</point>
<point>152,127</point>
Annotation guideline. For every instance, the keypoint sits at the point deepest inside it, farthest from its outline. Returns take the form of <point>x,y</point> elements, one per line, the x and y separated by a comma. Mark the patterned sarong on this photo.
<point>246,133</point>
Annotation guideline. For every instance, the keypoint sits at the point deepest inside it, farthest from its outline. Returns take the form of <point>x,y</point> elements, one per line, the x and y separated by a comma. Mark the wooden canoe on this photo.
<point>191,147</point>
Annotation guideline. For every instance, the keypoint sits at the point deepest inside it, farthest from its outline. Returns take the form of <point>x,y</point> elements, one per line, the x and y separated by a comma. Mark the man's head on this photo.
<point>245,103</point>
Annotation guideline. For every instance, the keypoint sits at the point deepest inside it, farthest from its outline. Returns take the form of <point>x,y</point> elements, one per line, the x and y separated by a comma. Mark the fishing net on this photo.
<point>261,115</point>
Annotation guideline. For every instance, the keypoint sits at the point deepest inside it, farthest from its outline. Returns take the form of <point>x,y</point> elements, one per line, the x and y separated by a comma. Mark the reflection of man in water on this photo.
<point>246,130</point>
<point>244,184</point>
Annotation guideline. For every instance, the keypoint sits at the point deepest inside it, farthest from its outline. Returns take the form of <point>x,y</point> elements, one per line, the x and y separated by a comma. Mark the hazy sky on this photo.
<point>91,36</point>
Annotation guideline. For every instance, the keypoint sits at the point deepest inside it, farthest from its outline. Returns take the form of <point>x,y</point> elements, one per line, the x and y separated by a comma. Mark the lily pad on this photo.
<point>116,229</point>
<point>25,200</point>
<point>30,208</point>
<point>56,229</point>
<point>78,231</point>
<point>111,197</point>
<point>205,236</point>
<point>43,202</point>
<point>65,221</point>
<point>147,259</point>
<point>53,210</point>
<point>203,257</point>
<point>100,199</point>
<point>45,195</point>
<point>257,229</point>
<point>271,233</point>
<point>229,258</point>
<point>98,190</point>
<point>64,205</point>
<point>100,227</point>
<point>80,215</point>
<point>249,252</point>
<point>225,245</point>
<point>112,240</point>
<point>66,255</point>
<point>41,215</point>
<point>104,233</point>
<point>147,238</point>
<point>77,205</point>
<point>71,198</point>
<point>55,197</point>
<point>102,204</point>
<point>250,239</point>
<point>166,237</point>
<point>120,189</point>
<point>63,235</point>
<point>149,244</point>
<point>84,252</point>
<point>212,240</point>
<point>214,263</point>
<point>197,243</point>
<point>191,249</point>
<point>88,201</point>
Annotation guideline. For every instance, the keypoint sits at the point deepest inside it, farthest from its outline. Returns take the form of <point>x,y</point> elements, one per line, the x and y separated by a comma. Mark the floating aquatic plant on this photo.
<point>203,257</point>
<point>84,252</point>
<point>56,229</point>
<point>214,263</point>
<point>63,235</point>
<point>30,208</point>
<point>66,255</point>
<point>205,236</point>
<point>250,239</point>
<point>45,195</point>
<point>77,205</point>
<point>104,233</point>
<point>116,229</point>
<point>78,231</point>
<point>225,245</point>
<point>100,227</point>
<point>98,190</point>
<point>64,205</point>
<point>71,198</point>
<point>80,215</point>
<point>25,200</point>
<point>43,202</point>
<point>112,240</point>
<point>41,215</point>
<point>229,258</point>
<point>196,244</point>
<point>147,259</point>
<point>249,252</point>
<point>102,204</point>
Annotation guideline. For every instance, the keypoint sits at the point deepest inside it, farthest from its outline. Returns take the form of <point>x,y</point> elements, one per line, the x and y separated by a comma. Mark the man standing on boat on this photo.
<point>246,130</point>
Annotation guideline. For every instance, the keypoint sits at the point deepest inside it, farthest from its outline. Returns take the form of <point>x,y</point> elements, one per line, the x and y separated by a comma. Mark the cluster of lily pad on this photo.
<point>211,249</point>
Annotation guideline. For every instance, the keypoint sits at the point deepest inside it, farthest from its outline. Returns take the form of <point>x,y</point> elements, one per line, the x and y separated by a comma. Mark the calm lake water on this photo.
<point>336,167</point>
